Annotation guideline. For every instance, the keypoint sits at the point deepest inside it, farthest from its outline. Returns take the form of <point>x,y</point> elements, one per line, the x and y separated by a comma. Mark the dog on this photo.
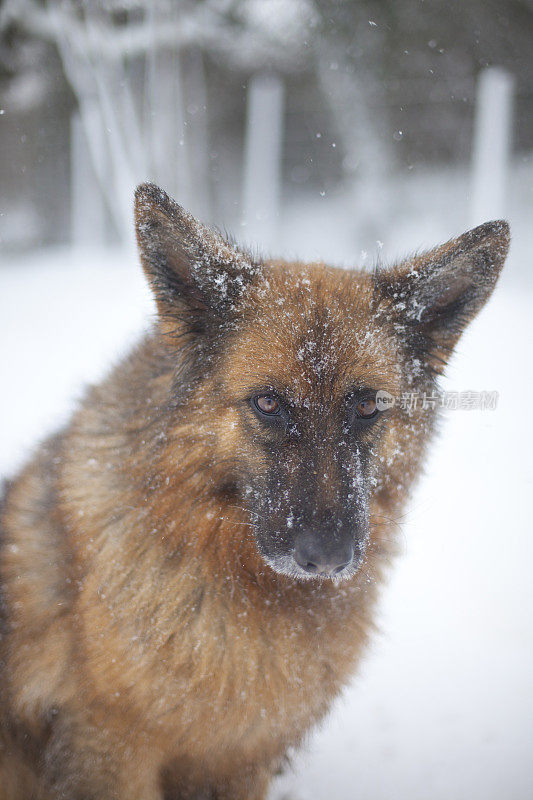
<point>189,570</point>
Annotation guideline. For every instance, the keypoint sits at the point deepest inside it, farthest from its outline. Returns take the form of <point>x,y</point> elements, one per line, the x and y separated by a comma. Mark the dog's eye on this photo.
<point>266,404</point>
<point>366,408</point>
<point>363,407</point>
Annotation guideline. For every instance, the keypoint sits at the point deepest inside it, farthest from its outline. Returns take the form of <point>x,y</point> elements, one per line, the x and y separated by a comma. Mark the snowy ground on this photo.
<point>442,708</point>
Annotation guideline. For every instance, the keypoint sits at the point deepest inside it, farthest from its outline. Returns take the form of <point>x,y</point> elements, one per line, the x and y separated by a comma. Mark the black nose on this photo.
<point>317,557</point>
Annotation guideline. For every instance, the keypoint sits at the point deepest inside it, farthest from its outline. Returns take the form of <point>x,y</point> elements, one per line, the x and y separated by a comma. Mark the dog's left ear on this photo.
<point>436,294</point>
<point>197,276</point>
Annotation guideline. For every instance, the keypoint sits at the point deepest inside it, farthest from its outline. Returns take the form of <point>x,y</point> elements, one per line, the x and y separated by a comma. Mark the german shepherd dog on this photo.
<point>189,570</point>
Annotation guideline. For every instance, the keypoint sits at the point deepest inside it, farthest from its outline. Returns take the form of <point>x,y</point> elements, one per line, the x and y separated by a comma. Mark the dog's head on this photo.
<point>316,386</point>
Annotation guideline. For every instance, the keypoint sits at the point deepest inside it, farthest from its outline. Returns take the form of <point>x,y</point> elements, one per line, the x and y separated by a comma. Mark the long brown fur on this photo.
<point>148,650</point>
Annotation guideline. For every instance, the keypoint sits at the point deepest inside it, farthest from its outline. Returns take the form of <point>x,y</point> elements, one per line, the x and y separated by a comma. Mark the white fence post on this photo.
<point>87,206</point>
<point>492,141</point>
<point>262,160</point>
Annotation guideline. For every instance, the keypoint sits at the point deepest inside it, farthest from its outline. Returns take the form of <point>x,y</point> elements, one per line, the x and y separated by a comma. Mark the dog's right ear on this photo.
<point>197,276</point>
<point>433,296</point>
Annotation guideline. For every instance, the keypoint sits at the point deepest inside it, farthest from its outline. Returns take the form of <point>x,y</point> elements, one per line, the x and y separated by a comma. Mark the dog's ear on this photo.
<point>196,275</point>
<point>435,295</point>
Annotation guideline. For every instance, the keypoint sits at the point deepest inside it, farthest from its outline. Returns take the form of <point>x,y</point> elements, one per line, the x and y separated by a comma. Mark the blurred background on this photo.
<point>250,113</point>
<point>349,131</point>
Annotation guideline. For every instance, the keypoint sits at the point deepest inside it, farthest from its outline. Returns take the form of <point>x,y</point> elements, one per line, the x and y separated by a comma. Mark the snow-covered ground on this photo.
<point>442,707</point>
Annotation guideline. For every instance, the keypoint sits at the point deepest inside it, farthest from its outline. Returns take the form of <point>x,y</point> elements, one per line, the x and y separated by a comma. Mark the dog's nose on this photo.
<point>317,557</point>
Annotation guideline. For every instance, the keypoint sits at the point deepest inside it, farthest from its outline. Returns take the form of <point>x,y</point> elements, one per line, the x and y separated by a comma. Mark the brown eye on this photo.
<point>267,404</point>
<point>366,408</point>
